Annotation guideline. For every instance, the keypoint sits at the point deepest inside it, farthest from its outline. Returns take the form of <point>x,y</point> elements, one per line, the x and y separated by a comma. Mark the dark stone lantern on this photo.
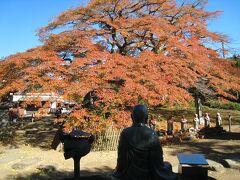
<point>76,145</point>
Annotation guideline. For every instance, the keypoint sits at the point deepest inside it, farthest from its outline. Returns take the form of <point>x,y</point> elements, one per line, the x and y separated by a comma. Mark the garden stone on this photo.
<point>215,166</point>
<point>33,130</point>
<point>25,163</point>
<point>233,164</point>
<point>4,120</point>
<point>20,132</point>
<point>46,168</point>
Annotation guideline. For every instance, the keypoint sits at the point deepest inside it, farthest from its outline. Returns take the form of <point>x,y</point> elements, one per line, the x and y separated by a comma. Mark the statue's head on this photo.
<point>140,114</point>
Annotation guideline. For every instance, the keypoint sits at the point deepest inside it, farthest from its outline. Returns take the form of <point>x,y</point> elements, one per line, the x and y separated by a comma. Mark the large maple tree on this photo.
<point>113,54</point>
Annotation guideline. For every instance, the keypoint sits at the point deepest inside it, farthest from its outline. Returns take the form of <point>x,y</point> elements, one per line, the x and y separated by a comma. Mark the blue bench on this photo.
<point>192,166</point>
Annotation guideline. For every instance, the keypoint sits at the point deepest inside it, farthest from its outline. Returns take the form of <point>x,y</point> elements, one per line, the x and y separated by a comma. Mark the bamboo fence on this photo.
<point>107,141</point>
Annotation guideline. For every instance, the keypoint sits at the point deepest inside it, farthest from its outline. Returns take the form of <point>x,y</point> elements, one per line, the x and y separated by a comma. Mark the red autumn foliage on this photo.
<point>123,52</point>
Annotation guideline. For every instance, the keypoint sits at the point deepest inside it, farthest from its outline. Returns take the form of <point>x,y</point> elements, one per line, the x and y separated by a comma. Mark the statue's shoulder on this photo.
<point>148,132</point>
<point>126,130</point>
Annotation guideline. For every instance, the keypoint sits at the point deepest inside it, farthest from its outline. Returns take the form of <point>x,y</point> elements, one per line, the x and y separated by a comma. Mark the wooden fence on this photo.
<point>107,141</point>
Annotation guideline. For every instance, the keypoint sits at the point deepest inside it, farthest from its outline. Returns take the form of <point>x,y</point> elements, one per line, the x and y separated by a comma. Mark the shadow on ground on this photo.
<point>213,149</point>
<point>226,136</point>
<point>51,173</point>
<point>39,133</point>
<point>57,175</point>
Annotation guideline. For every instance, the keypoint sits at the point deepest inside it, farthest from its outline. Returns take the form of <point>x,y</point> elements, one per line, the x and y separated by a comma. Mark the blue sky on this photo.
<point>227,22</point>
<point>19,20</point>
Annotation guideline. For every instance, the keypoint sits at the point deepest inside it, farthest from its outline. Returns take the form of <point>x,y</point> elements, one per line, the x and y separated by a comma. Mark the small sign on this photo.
<point>192,159</point>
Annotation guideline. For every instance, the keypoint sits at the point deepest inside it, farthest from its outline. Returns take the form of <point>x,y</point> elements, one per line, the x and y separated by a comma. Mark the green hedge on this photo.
<point>221,105</point>
<point>238,63</point>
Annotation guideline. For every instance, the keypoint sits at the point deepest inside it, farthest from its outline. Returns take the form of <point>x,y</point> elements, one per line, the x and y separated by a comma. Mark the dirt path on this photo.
<point>28,162</point>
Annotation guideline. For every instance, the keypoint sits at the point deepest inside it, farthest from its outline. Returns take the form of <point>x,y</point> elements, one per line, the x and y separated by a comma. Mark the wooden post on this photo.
<point>198,106</point>
<point>76,167</point>
<point>230,122</point>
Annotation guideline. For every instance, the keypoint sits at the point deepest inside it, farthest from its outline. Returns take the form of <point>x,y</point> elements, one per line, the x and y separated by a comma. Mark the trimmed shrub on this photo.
<point>222,105</point>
